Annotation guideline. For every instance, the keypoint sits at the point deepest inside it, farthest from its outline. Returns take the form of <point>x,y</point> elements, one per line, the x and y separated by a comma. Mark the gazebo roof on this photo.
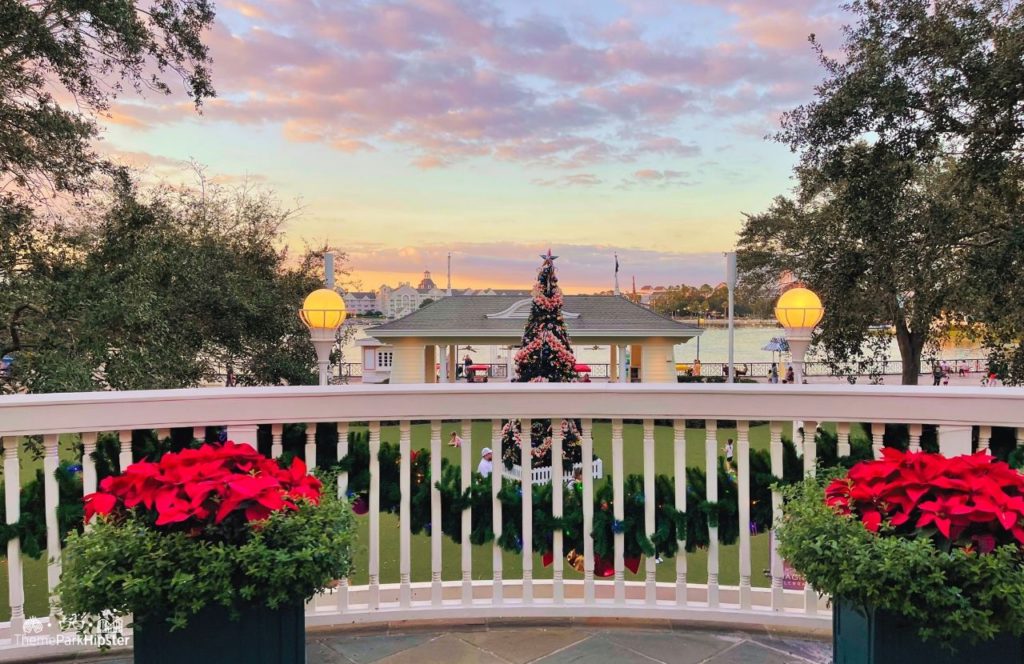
<point>504,316</point>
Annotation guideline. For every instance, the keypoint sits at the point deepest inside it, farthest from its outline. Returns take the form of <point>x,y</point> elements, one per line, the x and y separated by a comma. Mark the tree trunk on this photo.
<point>911,344</point>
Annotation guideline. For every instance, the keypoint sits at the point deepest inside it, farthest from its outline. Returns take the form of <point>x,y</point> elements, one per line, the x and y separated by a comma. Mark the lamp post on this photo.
<point>799,310</point>
<point>323,312</point>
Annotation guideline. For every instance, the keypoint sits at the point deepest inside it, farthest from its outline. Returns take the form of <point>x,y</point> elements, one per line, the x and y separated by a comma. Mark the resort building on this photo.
<point>412,349</point>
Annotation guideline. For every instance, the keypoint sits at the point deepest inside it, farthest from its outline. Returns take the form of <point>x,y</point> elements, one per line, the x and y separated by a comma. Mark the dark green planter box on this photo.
<point>260,636</point>
<point>879,637</point>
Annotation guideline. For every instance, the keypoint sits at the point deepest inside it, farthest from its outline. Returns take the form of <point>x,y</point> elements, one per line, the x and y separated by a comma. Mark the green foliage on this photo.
<point>160,288</point>
<point>951,595</point>
<point>31,525</point>
<point>127,567</point>
<point>85,52</point>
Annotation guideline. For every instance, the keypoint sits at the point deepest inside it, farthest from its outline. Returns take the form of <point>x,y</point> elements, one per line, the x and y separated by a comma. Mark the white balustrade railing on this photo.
<point>661,411</point>
<point>543,474</point>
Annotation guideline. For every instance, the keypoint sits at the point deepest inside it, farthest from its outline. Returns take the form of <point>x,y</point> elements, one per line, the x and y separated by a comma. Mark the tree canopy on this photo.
<point>65,62</point>
<point>165,287</point>
<point>908,200</point>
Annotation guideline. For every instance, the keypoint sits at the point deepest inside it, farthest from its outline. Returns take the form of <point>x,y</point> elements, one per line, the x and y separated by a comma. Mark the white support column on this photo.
<point>775,446</point>
<point>618,512</point>
<point>650,500</point>
<point>374,562</point>
<point>436,590</point>
<point>557,492</point>
<point>405,525</point>
<point>679,441</point>
<point>12,500</point>
<point>624,372</point>
<point>310,451</point>
<point>124,449</point>
<point>843,439</point>
<point>498,592</point>
<point>915,437</point>
<point>276,440</point>
<point>711,496</point>
<point>443,361</point>
<point>466,433</point>
<point>743,491</point>
<point>50,503</point>
<point>588,511</point>
<point>526,484</point>
<point>810,468</point>
<point>985,439</point>
<point>877,439</point>
<point>88,463</point>
<point>341,592</point>
<point>342,452</point>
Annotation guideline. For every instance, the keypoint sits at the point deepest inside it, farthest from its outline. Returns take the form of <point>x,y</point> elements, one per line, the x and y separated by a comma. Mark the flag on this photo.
<point>616,263</point>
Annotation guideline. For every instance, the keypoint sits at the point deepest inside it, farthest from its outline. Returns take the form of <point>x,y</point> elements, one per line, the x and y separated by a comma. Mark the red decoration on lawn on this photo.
<point>972,501</point>
<point>200,487</point>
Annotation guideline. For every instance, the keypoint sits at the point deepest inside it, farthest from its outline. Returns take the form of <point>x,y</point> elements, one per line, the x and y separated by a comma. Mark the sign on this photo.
<point>791,579</point>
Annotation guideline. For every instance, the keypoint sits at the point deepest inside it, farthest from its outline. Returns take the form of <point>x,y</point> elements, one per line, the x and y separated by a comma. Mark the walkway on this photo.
<point>590,643</point>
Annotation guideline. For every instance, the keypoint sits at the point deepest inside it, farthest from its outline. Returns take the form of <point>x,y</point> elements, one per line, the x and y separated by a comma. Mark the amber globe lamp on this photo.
<point>799,310</point>
<point>323,312</point>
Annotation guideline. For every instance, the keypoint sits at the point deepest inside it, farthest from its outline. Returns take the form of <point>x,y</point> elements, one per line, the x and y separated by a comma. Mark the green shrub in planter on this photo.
<point>932,540</point>
<point>218,527</point>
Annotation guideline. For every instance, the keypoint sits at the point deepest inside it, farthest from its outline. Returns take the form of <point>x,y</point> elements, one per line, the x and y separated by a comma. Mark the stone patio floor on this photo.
<point>490,644</point>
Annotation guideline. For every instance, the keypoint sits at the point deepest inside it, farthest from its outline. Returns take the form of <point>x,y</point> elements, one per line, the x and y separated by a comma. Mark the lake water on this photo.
<point>714,347</point>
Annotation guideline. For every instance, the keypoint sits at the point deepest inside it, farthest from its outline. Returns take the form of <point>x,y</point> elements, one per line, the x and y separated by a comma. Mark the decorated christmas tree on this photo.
<point>545,356</point>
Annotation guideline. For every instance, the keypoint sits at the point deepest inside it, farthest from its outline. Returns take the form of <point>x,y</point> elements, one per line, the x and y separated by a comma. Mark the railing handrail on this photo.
<point>107,411</point>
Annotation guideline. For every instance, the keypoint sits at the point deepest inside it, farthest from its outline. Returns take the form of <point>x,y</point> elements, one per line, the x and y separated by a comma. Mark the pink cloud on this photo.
<point>449,80</point>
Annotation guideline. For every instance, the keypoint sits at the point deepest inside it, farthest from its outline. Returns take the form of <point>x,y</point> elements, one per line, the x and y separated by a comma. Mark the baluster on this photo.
<point>526,485</point>
<point>341,592</point>
<point>915,437</point>
<point>310,451</point>
<point>466,430</point>
<point>162,434</point>
<point>404,543</point>
<point>436,588</point>
<point>497,466</point>
<point>985,439</point>
<point>843,439</point>
<point>12,500</point>
<point>877,439</point>
<point>619,512</point>
<point>588,511</point>
<point>50,502</point>
<point>775,446</point>
<point>1018,433</point>
<point>124,450</point>
<point>276,440</point>
<point>374,597</point>
<point>199,433</point>
<point>711,496</point>
<point>743,495</point>
<point>650,501</point>
<point>679,439</point>
<point>88,463</point>
<point>557,490</point>
<point>810,467</point>
<point>342,453</point>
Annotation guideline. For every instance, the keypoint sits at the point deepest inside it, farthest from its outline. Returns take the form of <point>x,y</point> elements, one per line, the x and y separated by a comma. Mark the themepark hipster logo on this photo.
<point>97,632</point>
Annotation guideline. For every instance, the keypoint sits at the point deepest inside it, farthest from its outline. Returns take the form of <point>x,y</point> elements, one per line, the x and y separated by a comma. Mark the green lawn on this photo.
<point>35,570</point>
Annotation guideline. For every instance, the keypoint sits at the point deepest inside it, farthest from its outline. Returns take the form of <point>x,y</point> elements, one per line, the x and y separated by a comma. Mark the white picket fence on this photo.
<point>542,474</point>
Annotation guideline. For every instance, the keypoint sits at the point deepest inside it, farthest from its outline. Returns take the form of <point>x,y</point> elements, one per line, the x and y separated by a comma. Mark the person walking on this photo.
<point>774,377</point>
<point>936,373</point>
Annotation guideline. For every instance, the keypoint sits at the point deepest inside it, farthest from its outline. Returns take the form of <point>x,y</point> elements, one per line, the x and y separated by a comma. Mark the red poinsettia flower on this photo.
<point>196,488</point>
<point>974,501</point>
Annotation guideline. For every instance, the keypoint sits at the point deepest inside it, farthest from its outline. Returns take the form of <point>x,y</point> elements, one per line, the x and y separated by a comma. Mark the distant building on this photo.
<point>360,302</point>
<point>403,300</point>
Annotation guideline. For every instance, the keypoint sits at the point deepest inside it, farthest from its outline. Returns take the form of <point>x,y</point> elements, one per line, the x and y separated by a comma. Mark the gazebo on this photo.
<point>419,340</point>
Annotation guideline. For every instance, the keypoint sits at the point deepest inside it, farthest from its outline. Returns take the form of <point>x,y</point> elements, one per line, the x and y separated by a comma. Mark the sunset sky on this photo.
<point>408,129</point>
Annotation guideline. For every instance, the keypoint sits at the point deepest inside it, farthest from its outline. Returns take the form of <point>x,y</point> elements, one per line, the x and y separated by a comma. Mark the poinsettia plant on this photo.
<point>939,541</point>
<point>975,501</point>
<point>240,528</point>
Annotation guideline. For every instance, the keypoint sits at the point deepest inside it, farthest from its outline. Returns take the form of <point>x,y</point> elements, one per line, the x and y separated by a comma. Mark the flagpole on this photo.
<point>617,274</point>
